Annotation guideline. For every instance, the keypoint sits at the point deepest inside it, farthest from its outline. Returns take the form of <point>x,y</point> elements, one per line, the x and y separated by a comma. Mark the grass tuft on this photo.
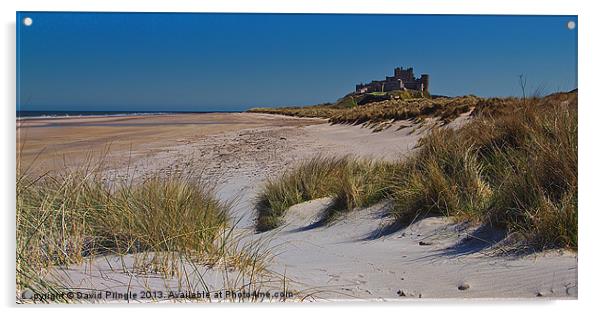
<point>62,219</point>
<point>514,165</point>
<point>315,178</point>
<point>351,182</point>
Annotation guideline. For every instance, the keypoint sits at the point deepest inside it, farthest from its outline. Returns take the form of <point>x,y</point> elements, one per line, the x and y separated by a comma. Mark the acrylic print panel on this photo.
<point>295,157</point>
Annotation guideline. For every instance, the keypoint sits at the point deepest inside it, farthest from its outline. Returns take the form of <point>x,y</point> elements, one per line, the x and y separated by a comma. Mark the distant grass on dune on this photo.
<point>372,109</point>
<point>375,112</point>
<point>416,109</point>
<point>319,111</point>
<point>513,165</point>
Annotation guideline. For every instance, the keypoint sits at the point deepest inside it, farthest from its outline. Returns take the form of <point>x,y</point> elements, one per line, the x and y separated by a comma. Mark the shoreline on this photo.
<point>58,142</point>
<point>100,114</point>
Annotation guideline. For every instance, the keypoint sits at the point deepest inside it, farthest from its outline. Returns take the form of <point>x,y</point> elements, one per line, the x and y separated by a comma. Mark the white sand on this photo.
<point>357,257</point>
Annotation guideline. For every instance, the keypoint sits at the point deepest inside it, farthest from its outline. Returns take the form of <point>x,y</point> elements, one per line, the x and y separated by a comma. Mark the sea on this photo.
<point>59,114</point>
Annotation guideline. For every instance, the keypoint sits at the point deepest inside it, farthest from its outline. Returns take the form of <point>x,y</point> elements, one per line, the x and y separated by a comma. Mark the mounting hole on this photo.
<point>27,21</point>
<point>571,25</point>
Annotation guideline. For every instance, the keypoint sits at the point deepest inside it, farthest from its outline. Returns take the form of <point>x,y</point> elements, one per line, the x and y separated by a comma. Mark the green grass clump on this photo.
<point>315,178</point>
<point>514,165</point>
<point>443,178</point>
<point>362,183</point>
<point>351,182</point>
<point>172,214</point>
<point>516,169</point>
<point>536,177</point>
<point>64,218</point>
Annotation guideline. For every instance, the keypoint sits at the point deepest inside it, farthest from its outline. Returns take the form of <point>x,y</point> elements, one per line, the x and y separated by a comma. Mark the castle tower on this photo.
<point>398,72</point>
<point>424,79</point>
<point>410,73</point>
<point>403,79</point>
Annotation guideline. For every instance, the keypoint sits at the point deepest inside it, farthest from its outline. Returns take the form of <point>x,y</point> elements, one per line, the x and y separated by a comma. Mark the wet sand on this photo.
<point>56,142</point>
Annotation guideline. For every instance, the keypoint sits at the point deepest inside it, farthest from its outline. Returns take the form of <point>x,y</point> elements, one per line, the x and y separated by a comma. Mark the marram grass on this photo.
<point>351,182</point>
<point>62,219</point>
<point>514,165</point>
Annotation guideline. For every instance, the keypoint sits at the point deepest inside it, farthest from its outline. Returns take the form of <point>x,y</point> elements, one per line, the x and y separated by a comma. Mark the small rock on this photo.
<point>464,286</point>
<point>571,291</point>
<point>27,294</point>
<point>406,293</point>
<point>539,294</point>
<point>425,243</point>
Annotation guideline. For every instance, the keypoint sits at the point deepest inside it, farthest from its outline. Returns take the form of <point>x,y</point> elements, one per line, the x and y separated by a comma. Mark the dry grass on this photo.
<point>321,111</point>
<point>361,183</point>
<point>443,178</point>
<point>513,165</point>
<point>373,113</point>
<point>66,218</point>
<point>416,109</point>
<point>314,178</point>
<point>351,182</point>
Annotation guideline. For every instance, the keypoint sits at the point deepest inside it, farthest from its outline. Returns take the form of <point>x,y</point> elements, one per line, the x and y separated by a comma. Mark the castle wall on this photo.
<point>392,85</point>
<point>402,79</point>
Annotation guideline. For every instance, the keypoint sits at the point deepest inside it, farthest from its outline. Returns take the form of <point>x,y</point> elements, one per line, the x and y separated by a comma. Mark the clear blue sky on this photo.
<point>208,62</point>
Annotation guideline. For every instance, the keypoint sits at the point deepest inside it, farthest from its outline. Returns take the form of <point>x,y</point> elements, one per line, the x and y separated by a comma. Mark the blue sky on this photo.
<point>230,62</point>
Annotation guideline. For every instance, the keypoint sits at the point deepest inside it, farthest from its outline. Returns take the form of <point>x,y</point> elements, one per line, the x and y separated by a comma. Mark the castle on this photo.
<point>403,79</point>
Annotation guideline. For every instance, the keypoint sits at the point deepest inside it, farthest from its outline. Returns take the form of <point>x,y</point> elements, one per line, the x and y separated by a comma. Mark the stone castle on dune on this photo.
<point>403,79</point>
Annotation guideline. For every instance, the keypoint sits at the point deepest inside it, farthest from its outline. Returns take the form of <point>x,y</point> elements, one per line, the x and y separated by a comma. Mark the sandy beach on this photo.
<point>360,256</point>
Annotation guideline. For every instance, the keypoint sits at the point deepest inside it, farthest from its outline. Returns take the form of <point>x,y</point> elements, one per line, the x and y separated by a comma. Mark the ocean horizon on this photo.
<point>59,114</point>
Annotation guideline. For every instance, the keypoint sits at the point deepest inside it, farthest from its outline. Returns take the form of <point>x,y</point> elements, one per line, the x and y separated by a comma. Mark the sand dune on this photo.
<point>362,257</point>
<point>358,257</point>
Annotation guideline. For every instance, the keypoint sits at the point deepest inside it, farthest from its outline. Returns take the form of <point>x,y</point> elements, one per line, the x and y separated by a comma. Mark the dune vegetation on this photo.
<point>62,219</point>
<point>375,108</point>
<point>350,101</point>
<point>513,165</point>
<point>352,182</point>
